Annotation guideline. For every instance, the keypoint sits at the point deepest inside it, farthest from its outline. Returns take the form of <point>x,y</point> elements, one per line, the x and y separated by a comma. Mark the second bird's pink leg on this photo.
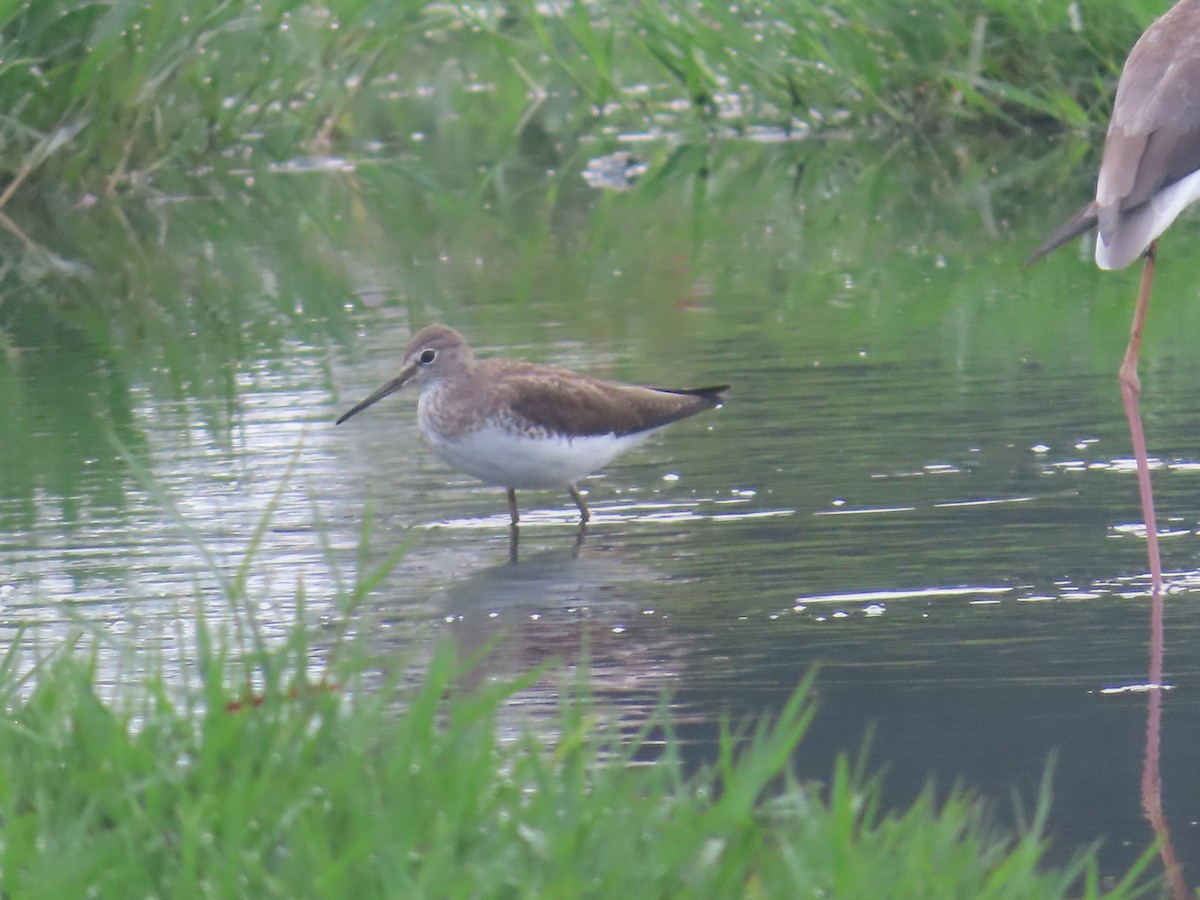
<point>1130,388</point>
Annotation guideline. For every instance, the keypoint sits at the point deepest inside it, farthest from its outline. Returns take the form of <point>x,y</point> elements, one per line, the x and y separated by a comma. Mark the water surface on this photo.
<point>920,483</point>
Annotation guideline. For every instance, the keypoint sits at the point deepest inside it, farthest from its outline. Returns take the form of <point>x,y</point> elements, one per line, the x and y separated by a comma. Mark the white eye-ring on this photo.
<point>427,356</point>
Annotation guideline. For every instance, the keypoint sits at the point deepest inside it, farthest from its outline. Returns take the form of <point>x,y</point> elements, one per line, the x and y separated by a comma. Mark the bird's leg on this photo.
<point>514,544</point>
<point>584,515</point>
<point>514,518</point>
<point>1129,374</point>
<point>1130,389</point>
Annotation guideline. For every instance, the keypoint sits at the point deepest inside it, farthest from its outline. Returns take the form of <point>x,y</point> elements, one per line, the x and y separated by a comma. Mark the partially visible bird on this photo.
<point>1149,170</point>
<point>1149,173</point>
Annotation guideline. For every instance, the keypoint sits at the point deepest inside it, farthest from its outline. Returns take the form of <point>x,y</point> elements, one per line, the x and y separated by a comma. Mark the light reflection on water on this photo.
<point>967,580</point>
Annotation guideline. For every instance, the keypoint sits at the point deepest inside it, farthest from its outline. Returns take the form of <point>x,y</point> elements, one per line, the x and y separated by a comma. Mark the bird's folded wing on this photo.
<point>567,403</point>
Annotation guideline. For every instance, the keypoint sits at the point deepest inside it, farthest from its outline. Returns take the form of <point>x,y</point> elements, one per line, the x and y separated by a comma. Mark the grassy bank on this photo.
<point>306,789</point>
<point>125,97</point>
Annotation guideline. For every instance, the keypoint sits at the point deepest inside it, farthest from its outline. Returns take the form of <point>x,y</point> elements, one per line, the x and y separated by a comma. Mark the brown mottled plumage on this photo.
<point>523,425</point>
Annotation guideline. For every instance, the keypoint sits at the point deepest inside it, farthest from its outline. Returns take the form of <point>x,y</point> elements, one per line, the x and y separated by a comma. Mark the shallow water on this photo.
<point>920,483</point>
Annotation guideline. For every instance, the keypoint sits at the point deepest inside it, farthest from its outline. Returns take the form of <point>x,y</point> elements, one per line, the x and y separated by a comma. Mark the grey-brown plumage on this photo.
<point>523,425</point>
<point>1148,176</point>
<point>1153,144</point>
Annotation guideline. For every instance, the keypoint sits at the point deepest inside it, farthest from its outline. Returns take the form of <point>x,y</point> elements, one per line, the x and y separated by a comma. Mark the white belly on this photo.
<point>1139,228</point>
<point>500,457</point>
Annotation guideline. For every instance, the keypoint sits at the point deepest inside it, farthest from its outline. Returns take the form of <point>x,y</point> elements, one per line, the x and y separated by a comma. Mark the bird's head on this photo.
<point>434,354</point>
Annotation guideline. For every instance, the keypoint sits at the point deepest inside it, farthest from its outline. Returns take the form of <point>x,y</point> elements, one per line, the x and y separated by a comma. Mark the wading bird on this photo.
<point>522,425</point>
<point>1149,173</point>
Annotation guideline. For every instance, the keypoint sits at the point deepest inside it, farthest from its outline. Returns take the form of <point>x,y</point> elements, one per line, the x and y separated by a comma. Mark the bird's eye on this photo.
<point>427,356</point>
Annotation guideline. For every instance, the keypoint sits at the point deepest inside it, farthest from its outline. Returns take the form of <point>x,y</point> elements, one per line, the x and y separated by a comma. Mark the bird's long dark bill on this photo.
<point>390,388</point>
